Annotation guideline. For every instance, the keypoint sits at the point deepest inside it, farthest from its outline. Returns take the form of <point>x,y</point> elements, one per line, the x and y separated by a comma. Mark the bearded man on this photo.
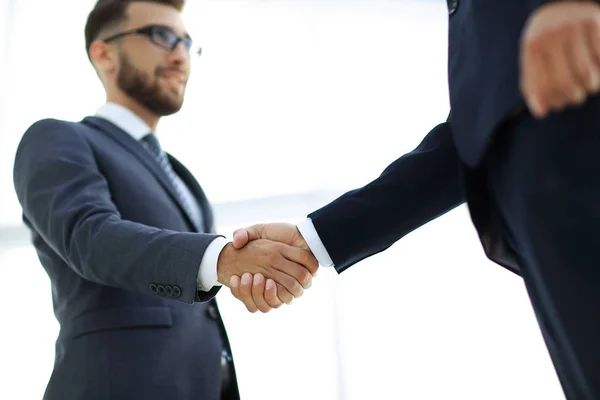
<point>124,231</point>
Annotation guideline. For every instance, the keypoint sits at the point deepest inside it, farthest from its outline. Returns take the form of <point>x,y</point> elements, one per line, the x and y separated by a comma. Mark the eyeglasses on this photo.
<point>160,35</point>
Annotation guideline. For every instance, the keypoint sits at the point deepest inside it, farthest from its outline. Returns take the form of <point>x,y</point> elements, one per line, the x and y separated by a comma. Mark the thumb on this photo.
<point>242,236</point>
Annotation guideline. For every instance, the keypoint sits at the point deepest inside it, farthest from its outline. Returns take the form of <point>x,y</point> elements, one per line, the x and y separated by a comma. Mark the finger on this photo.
<point>565,88</point>
<point>283,294</point>
<point>234,286</point>
<point>258,293</point>
<point>271,294</point>
<point>241,237</point>
<point>534,77</point>
<point>550,79</point>
<point>289,264</point>
<point>304,258</point>
<point>583,66</point>
<point>245,292</point>
<point>283,273</point>
<point>592,37</point>
<point>245,287</point>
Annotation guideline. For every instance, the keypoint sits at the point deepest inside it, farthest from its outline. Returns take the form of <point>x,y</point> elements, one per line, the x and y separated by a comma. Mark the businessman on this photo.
<point>521,147</point>
<point>125,232</point>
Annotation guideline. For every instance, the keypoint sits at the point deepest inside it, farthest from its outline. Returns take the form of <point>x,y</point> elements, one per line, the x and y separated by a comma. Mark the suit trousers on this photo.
<point>535,201</point>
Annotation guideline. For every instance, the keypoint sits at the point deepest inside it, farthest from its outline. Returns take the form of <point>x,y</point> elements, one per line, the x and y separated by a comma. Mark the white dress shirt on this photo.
<point>310,235</point>
<point>129,122</point>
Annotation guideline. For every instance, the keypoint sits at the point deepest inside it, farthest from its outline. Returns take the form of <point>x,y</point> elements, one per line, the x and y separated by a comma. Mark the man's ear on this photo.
<point>103,57</point>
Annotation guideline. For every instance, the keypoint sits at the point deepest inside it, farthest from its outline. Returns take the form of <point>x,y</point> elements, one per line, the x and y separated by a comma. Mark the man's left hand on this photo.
<point>560,56</point>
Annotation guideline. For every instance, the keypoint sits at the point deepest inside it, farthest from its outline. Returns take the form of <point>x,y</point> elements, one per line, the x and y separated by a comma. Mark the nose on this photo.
<point>179,55</point>
<point>181,49</point>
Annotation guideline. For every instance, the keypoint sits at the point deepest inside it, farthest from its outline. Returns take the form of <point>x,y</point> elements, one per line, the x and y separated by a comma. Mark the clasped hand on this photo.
<point>267,266</point>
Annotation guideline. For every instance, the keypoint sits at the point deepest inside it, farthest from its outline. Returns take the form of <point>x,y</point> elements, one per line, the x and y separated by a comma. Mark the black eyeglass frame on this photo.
<point>154,31</point>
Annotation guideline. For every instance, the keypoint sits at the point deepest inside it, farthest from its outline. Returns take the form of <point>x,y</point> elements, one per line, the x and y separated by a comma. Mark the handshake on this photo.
<point>267,265</point>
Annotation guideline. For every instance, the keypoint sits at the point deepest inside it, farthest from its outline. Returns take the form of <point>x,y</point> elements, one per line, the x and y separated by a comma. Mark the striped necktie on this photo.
<point>185,196</point>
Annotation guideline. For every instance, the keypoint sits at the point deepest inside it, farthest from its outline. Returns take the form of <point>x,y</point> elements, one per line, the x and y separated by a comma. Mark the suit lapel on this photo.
<point>138,151</point>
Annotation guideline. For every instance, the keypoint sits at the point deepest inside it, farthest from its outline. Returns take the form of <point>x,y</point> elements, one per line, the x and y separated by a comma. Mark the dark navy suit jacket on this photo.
<point>123,260</point>
<point>530,185</point>
<point>483,75</point>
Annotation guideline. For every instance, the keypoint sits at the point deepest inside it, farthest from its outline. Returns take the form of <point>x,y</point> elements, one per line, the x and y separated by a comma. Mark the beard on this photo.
<point>147,91</point>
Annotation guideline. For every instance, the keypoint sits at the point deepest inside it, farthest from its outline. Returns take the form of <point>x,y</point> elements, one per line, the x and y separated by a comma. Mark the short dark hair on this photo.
<point>109,13</point>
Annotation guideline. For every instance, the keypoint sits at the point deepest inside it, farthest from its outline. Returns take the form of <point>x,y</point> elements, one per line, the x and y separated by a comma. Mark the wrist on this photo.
<point>223,262</point>
<point>299,240</point>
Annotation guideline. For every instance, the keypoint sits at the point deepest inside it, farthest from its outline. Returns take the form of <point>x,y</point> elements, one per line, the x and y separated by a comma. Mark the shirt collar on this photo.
<point>125,119</point>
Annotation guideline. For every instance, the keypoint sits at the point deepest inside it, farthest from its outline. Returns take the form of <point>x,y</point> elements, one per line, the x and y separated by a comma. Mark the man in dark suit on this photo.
<point>124,231</point>
<point>521,147</point>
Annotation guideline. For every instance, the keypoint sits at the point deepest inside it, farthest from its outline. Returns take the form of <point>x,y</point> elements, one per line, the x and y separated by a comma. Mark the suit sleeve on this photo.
<point>67,201</point>
<point>413,190</point>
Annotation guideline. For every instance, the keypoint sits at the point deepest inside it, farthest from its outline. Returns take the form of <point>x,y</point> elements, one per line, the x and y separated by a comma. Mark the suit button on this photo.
<point>452,6</point>
<point>153,288</point>
<point>168,290</point>
<point>161,290</point>
<point>176,292</point>
<point>213,313</point>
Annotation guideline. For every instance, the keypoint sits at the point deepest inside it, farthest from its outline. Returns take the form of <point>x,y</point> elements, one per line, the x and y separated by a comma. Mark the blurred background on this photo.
<point>292,103</point>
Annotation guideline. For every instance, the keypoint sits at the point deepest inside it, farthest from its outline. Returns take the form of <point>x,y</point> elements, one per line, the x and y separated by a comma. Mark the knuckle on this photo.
<point>284,294</point>
<point>310,261</point>
<point>288,282</point>
<point>297,290</point>
<point>294,287</point>
<point>305,256</point>
<point>314,263</point>
<point>301,257</point>
<point>533,45</point>
<point>305,279</point>
<point>273,303</point>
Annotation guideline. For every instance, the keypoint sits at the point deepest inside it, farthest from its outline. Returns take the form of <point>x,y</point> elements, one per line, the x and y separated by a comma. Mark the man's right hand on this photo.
<point>253,290</point>
<point>290,268</point>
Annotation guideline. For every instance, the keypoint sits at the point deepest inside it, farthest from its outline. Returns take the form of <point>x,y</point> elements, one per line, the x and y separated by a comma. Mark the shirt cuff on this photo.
<point>310,235</point>
<point>207,274</point>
